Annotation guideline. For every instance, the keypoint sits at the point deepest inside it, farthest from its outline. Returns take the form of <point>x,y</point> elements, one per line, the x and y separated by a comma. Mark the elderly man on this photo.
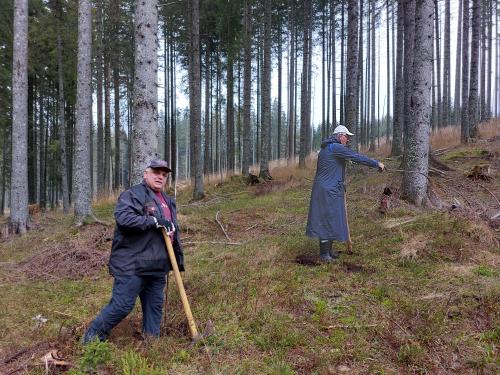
<point>327,219</point>
<point>139,259</point>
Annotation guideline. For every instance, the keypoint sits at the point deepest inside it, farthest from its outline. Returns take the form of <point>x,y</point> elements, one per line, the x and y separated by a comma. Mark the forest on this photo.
<point>237,96</point>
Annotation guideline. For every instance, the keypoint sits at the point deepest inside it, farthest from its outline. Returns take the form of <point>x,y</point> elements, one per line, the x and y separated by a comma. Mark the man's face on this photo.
<point>155,178</point>
<point>344,139</point>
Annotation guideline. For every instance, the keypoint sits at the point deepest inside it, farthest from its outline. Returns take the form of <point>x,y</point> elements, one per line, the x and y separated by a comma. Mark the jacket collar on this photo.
<point>327,141</point>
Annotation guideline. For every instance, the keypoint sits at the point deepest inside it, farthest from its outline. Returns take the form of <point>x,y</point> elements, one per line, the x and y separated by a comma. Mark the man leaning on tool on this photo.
<point>327,219</point>
<point>139,259</point>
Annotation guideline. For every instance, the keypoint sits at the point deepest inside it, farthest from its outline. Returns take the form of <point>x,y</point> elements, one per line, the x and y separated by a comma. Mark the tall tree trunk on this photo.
<point>291,85</point>
<point>145,122</point>
<point>342,54</point>
<point>247,87</point>
<point>195,98</point>
<point>323,76</point>
<point>372,130</point>
<point>280,72</point>
<point>464,127</point>
<point>207,152</point>
<point>334,71</point>
<point>458,66</point>
<point>41,148</point>
<point>173,112</point>
<point>19,179</point>
<point>398,126</point>
<point>82,188</point>
<point>351,98</point>
<point>445,120</point>
<point>31,140</point>
<point>388,81</point>
<point>166,93</point>
<point>62,121</point>
<point>107,122</point>
<point>408,62</point>
<point>304,87</point>
<point>490,54</point>
<point>474,66</point>
<point>417,146</point>
<point>439,107</point>
<point>99,79</point>
<point>359,116</point>
<point>265,156</point>
<point>116,95</point>
<point>230,114</point>
<point>483,46</point>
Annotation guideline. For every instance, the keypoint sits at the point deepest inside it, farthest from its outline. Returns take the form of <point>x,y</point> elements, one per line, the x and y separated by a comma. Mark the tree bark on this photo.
<point>266,96</point>
<point>483,46</point>
<point>82,188</point>
<point>464,127</point>
<point>458,63</point>
<point>439,107</point>
<point>417,147</point>
<point>145,121</point>
<point>304,87</point>
<point>195,98</point>
<point>19,175</point>
<point>247,87</point>
<point>230,114</point>
<point>351,97</point>
<point>207,154</point>
<point>474,66</point>
<point>445,120</point>
<point>373,119</point>
<point>99,84</point>
<point>398,126</point>
<point>62,121</point>
<point>408,62</point>
<point>291,84</point>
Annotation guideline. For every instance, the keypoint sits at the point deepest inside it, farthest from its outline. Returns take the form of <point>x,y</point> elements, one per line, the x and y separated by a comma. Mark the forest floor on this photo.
<point>420,294</point>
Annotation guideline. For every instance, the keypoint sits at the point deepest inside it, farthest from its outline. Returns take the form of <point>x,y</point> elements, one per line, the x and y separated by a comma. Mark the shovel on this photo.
<point>178,280</point>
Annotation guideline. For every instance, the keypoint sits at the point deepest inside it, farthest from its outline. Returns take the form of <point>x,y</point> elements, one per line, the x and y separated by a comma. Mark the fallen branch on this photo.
<point>102,222</point>
<point>354,326</point>
<point>212,242</point>
<point>489,191</point>
<point>221,226</point>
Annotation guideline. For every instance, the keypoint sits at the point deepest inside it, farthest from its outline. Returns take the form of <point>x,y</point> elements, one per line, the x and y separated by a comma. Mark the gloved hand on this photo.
<point>164,223</point>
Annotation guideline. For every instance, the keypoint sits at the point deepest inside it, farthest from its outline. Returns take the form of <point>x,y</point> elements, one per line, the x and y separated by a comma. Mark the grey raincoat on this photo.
<point>327,217</point>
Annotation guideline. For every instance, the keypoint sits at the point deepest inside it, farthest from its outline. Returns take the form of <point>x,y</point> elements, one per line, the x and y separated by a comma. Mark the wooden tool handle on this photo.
<point>178,280</point>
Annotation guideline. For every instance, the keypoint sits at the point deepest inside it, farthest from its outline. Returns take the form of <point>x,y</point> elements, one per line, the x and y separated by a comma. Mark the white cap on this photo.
<point>341,129</point>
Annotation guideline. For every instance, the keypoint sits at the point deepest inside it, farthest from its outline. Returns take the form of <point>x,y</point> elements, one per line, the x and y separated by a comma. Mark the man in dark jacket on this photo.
<point>327,219</point>
<point>139,259</point>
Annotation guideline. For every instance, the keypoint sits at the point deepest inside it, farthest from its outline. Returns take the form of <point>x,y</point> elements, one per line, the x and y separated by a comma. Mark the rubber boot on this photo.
<point>324,251</point>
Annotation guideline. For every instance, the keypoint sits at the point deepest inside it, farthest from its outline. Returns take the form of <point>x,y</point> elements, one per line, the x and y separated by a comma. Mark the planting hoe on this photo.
<point>178,280</point>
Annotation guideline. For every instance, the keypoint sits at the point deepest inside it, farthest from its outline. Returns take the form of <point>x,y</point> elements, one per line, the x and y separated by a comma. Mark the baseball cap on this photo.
<point>159,164</point>
<point>342,129</point>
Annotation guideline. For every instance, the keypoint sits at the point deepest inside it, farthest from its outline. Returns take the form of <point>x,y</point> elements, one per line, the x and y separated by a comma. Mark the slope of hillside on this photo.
<point>420,294</point>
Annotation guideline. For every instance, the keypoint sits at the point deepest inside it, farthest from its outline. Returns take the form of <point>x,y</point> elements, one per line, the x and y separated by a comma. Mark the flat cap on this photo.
<point>159,164</point>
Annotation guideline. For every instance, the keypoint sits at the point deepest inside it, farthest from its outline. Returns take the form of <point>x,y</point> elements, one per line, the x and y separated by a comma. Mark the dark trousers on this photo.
<point>126,289</point>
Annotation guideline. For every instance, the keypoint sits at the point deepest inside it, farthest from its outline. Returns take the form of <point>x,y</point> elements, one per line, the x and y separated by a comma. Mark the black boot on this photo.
<point>325,247</point>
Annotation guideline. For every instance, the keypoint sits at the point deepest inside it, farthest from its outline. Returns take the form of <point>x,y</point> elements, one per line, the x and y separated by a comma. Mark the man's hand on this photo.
<point>381,167</point>
<point>164,223</point>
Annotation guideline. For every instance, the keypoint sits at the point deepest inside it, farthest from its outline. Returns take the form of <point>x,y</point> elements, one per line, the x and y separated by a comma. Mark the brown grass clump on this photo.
<point>415,246</point>
<point>83,255</point>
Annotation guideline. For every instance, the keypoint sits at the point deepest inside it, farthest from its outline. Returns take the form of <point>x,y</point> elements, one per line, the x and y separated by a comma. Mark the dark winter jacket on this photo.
<point>327,216</point>
<point>138,246</point>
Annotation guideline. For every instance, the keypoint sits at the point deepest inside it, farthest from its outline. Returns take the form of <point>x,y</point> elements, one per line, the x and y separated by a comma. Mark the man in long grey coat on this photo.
<point>327,219</point>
